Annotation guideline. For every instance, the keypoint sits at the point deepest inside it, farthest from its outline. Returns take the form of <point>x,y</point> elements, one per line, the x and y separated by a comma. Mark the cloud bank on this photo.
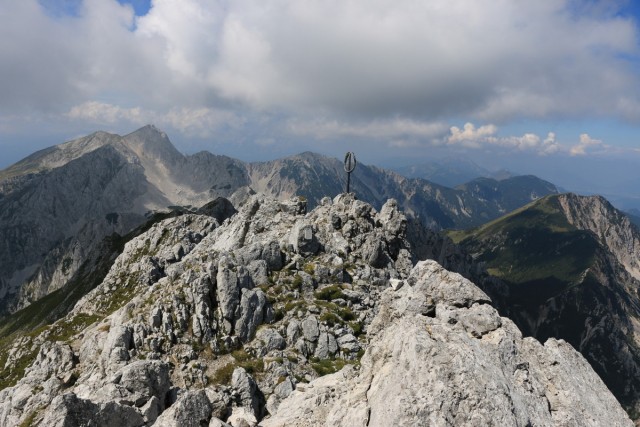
<point>399,71</point>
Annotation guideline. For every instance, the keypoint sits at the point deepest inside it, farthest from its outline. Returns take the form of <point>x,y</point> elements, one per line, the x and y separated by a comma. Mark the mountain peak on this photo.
<point>149,141</point>
<point>149,130</point>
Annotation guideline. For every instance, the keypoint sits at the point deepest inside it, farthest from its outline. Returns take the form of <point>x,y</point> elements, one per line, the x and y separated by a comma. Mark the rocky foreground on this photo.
<point>278,317</point>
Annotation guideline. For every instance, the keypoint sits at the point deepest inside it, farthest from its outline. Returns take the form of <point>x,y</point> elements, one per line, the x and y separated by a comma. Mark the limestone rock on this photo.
<point>310,329</point>
<point>192,309</point>
<point>427,370</point>
<point>193,409</point>
<point>142,380</point>
<point>271,340</point>
<point>303,239</point>
<point>252,311</point>
<point>327,346</point>
<point>250,396</point>
<point>69,410</point>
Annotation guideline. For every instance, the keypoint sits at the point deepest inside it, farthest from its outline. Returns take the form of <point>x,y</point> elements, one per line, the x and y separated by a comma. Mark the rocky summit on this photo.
<point>281,317</point>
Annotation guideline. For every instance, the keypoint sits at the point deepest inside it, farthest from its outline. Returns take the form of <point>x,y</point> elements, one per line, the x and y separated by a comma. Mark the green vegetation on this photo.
<point>329,293</point>
<point>309,268</point>
<point>297,282</point>
<point>329,366</point>
<point>330,318</point>
<point>29,420</point>
<point>67,328</point>
<point>531,244</point>
<point>224,374</point>
<point>251,364</point>
<point>9,377</point>
<point>357,328</point>
<point>535,249</point>
<point>294,305</point>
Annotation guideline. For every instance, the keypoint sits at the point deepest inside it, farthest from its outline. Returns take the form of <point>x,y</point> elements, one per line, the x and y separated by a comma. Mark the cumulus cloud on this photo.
<point>549,145</point>
<point>586,142</point>
<point>469,136</point>
<point>486,136</point>
<point>366,58</point>
<point>106,113</point>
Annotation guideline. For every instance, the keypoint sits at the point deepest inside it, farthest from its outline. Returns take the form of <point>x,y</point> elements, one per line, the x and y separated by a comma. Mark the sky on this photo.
<point>549,87</point>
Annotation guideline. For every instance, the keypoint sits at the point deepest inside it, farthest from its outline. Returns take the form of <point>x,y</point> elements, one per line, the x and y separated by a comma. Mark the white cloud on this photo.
<point>395,71</point>
<point>379,58</point>
<point>486,136</point>
<point>549,145</point>
<point>99,112</point>
<point>469,136</point>
<point>586,142</point>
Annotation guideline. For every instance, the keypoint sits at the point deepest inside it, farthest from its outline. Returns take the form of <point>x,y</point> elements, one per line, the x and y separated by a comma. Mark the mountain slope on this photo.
<point>200,323</point>
<point>571,266</point>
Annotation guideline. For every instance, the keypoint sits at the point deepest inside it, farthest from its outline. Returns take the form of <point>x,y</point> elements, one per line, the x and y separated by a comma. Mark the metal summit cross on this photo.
<point>349,166</point>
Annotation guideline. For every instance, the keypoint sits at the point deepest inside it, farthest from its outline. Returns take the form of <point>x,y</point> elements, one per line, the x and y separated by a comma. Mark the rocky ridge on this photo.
<point>440,355</point>
<point>202,323</point>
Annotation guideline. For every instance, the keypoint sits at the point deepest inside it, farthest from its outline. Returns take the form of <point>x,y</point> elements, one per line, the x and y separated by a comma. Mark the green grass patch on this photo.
<point>309,268</point>
<point>329,293</point>
<point>29,421</point>
<point>327,366</point>
<point>293,305</point>
<point>224,374</point>
<point>65,329</point>
<point>9,377</point>
<point>357,327</point>
<point>242,359</point>
<point>297,282</point>
<point>346,314</point>
<point>533,243</point>
<point>331,319</point>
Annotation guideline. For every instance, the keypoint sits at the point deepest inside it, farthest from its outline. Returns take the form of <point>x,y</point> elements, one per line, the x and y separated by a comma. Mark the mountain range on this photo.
<point>58,204</point>
<point>451,172</point>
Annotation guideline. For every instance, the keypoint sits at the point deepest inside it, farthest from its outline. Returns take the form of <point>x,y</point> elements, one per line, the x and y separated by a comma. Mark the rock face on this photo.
<point>460,365</point>
<point>57,204</point>
<point>243,323</point>
<point>612,227</point>
<point>189,291</point>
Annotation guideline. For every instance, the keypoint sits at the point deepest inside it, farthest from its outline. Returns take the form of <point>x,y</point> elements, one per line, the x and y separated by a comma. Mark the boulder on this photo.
<point>303,239</point>
<point>193,409</point>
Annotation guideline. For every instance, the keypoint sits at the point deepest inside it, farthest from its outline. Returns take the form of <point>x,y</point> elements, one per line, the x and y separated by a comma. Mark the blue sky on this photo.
<point>537,87</point>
